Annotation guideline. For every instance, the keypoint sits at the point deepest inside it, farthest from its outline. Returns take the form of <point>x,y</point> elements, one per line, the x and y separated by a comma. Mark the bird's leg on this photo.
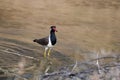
<point>49,51</point>
<point>45,52</point>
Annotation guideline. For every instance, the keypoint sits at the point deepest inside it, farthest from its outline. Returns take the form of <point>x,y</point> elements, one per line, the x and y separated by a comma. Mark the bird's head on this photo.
<point>53,28</point>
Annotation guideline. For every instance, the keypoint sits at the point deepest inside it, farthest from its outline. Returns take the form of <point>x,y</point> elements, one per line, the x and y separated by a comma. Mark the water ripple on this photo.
<point>12,50</point>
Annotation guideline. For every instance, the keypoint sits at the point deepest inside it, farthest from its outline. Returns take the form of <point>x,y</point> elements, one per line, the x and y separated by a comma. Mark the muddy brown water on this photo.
<point>24,58</point>
<point>82,27</point>
<point>25,66</point>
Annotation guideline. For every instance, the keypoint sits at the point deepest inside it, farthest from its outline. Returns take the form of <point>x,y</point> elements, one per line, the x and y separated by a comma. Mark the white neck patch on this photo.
<point>49,43</point>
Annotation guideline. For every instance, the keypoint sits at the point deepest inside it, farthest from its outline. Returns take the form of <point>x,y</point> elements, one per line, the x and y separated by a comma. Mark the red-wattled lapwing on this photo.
<point>48,42</point>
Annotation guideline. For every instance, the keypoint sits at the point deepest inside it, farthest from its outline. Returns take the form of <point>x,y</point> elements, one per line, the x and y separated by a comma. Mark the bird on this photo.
<point>48,42</point>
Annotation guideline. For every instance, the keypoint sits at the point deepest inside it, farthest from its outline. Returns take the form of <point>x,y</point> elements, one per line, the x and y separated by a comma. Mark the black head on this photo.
<point>53,28</point>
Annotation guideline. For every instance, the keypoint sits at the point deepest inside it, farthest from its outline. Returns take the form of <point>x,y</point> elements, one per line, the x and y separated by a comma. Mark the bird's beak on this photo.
<point>55,29</point>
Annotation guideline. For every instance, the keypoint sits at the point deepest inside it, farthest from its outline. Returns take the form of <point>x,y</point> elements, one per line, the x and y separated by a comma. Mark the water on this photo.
<point>80,32</point>
<point>23,56</point>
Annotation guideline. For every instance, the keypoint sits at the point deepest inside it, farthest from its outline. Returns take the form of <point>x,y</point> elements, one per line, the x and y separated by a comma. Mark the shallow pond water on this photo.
<point>81,33</point>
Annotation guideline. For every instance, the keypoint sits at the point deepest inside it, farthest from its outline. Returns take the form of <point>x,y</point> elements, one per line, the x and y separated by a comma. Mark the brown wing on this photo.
<point>43,41</point>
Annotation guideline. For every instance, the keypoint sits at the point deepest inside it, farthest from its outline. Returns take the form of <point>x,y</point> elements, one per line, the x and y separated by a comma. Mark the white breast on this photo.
<point>49,43</point>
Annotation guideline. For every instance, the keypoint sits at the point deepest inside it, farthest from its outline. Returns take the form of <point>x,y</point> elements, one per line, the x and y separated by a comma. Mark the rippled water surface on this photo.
<point>19,55</point>
<point>83,30</point>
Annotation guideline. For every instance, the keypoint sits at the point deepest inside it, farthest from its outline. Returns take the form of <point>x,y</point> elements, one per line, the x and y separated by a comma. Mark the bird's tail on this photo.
<point>35,40</point>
